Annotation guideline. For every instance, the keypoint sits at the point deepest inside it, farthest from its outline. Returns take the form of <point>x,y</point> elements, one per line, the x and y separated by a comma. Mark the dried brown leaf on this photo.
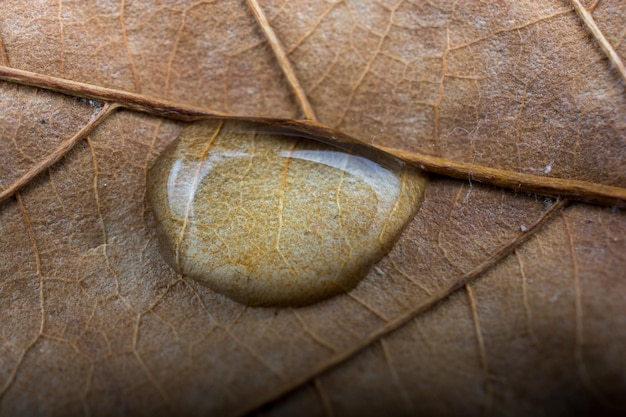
<point>94,321</point>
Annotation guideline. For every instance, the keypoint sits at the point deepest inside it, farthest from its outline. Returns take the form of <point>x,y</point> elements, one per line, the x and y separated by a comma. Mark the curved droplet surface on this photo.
<point>268,216</point>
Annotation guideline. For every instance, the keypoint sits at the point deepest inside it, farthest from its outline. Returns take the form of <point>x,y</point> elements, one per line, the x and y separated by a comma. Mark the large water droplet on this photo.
<point>268,216</point>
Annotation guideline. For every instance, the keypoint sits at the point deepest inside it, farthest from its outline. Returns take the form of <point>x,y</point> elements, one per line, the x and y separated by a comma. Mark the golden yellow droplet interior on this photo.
<point>269,217</point>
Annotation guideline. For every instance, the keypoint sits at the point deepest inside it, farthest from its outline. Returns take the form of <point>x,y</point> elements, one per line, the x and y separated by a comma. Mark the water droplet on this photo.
<point>268,216</point>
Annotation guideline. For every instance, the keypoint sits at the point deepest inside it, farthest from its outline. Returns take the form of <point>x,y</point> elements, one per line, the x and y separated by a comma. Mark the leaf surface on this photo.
<point>95,322</point>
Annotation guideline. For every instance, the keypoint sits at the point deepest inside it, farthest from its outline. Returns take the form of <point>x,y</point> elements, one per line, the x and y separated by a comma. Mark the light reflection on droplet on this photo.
<point>267,216</point>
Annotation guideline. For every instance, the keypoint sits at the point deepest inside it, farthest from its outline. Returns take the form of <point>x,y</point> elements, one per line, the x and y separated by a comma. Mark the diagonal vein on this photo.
<point>4,58</point>
<point>409,315</point>
<point>281,57</point>
<point>323,396</point>
<point>58,153</point>
<point>10,378</point>
<point>481,350</point>
<point>192,194</point>
<point>608,49</point>
<point>578,319</point>
<point>129,53</point>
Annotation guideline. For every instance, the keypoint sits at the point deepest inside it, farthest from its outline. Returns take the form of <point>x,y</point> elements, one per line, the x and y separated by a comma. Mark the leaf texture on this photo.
<point>491,301</point>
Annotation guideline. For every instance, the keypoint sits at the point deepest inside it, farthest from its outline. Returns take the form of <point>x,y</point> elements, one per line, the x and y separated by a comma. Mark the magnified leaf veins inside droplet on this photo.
<point>268,216</point>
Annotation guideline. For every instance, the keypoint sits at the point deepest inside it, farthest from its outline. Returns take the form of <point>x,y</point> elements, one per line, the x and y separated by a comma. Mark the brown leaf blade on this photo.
<point>86,297</point>
<point>555,324</point>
